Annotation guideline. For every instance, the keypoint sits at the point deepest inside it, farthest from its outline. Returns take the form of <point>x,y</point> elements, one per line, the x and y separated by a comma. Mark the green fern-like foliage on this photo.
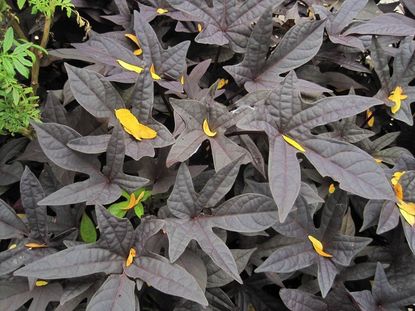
<point>17,103</point>
<point>47,7</point>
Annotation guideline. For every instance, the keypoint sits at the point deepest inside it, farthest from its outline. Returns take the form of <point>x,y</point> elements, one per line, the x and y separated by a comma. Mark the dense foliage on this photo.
<point>209,155</point>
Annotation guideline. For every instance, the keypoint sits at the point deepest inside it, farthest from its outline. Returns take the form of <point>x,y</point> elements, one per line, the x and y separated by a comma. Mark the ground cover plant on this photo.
<point>215,155</point>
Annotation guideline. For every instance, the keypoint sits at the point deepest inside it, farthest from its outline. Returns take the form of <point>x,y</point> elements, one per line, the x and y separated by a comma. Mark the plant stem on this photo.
<point>39,54</point>
<point>16,26</point>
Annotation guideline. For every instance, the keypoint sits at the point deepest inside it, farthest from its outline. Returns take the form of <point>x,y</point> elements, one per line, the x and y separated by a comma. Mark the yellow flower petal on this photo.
<point>41,283</point>
<point>130,67</point>
<point>161,11</point>
<point>318,247</point>
<point>199,27</point>
<point>396,96</point>
<point>207,130</point>
<point>369,114</point>
<point>332,188</point>
<point>130,257</point>
<point>35,245</point>
<point>153,73</point>
<point>293,143</point>
<point>132,126</point>
<point>222,83</point>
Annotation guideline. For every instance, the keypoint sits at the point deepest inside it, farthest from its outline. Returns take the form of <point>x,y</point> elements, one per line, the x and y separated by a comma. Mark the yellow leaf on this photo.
<point>369,114</point>
<point>396,96</point>
<point>35,245</point>
<point>161,11</point>
<point>41,283</point>
<point>132,126</point>
<point>130,257</point>
<point>293,143</point>
<point>222,83</point>
<point>207,130</point>
<point>408,207</point>
<point>396,176</point>
<point>378,160</point>
<point>199,27</point>
<point>12,246</point>
<point>130,67</point>
<point>318,247</point>
<point>410,219</point>
<point>182,80</point>
<point>398,191</point>
<point>133,38</point>
<point>332,188</point>
<point>153,73</point>
<point>134,201</point>
<point>138,52</point>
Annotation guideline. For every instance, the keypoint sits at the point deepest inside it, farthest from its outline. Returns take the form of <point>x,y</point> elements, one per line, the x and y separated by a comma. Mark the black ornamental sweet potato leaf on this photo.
<point>386,214</point>
<point>102,187</point>
<point>244,213</point>
<point>399,82</point>
<point>336,23</point>
<point>206,119</point>
<point>288,124</point>
<point>299,45</point>
<point>15,293</point>
<point>168,64</point>
<point>120,250</point>
<point>156,8</point>
<point>336,249</point>
<point>297,300</point>
<point>226,22</point>
<point>383,296</point>
<point>101,99</point>
<point>10,169</point>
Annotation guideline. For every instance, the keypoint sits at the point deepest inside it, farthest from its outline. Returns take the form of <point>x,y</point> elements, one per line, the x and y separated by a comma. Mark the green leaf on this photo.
<point>116,209</point>
<point>8,40</point>
<point>87,229</point>
<point>20,4</point>
<point>139,210</point>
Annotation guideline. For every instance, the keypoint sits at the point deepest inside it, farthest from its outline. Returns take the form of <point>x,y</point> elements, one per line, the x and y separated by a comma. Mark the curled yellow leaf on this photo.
<point>134,201</point>
<point>199,27</point>
<point>134,38</point>
<point>130,67</point>
<point>132,126</point>
<point>370,117</point>
<point>130,257</point>
<point>222,83</point>
<point>182,80</point>
<point>12,246</point>
<point>332,188</point>
<point>153,73</point>
<point>293,143</point>
<point>396,96</point>
<point>207,130</point>
<point>40,283</point>
<point>409,218</point>
<point>161,11</point>
<point>318,247</point>
<point>35,245</point>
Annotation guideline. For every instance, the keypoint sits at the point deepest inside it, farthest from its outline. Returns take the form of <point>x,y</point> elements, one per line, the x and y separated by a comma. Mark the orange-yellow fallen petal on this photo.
<point>318,247</point>
<point>12,246</point>
<point>293,143</point>
<point>130,67</point>
<point>35,245</point>
<point>130,257</point>
<point>41,283</point>
<point>370,117</point>
<point>199,27</point>
<point>332,188</point>
<point>153,73</point>
<point>161,11</point>
<point>207,130</point>
<point>396,96</point>
<point>132,126</point>
<point>222,83</point>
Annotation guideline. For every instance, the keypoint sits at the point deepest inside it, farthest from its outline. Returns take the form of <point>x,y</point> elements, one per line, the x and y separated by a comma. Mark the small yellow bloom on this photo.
<point>162,11</point>
<point>397,96</point>
<point>318,247</point>
<point>293,143</point>
<point>130,257</point>
<point>35,245</point>
<point>134,38</point>
<point>199,27</point>
<point>207,130</point>
<point>370,117</point>
<point>40,283</point>
<point>222,83</point>
<point>132,126</point>
<point>153,73</point>
<point>332,188</point>
<point>134,201</point>
<point>130,67</point>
